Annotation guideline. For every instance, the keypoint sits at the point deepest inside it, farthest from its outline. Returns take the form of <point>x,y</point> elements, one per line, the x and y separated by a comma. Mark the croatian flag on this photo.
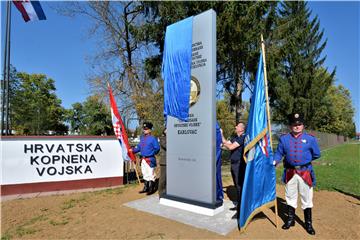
<point>30,10</point>
<point>119,129</point>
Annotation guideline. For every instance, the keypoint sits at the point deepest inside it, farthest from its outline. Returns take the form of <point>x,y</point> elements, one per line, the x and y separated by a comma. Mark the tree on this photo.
<point>13,88</point>
<point>134,36</point>
<point>225,116</point>
<point>36,110</point>
<point>93,117</point>
<point>239,25</point>
<point>75,117</point>
<point>336,113</point>
<point>119,59</point>
<point>298,82</point>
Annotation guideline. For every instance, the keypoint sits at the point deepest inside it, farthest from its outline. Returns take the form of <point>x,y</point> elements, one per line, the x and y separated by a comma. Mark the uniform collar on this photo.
<point>297,136</point>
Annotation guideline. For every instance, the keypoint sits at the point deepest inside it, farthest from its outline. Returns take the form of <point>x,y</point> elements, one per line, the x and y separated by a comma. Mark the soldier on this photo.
<point>148,147</point>
<point>299,150</point>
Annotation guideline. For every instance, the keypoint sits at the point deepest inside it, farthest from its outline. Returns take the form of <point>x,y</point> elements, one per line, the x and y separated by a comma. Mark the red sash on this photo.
<point>305,175</point>
<point>147,160</point>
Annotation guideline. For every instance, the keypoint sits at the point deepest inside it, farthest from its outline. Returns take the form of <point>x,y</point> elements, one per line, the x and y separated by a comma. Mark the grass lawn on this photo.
<point>337,170</point>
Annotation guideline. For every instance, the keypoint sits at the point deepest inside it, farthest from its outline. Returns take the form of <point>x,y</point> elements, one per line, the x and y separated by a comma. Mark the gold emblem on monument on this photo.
<point>194,91</point>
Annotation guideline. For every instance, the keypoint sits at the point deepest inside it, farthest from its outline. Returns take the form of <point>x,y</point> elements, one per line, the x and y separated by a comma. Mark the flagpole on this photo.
<point>5,90</point>
<point>268,115</point>
<point>266,91</point>
<point>8,73</point>
<point>110,93</point>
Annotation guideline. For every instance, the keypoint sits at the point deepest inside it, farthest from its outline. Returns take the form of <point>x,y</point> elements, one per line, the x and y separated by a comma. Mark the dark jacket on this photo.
<point>162,160</point>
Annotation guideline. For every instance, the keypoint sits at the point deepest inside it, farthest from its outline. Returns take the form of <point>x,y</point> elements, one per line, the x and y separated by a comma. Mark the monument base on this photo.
<point>192,206</point>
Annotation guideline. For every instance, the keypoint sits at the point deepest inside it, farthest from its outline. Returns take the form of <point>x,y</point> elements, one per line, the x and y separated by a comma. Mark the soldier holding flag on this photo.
<point>148,147</point>
<point>299,150</point>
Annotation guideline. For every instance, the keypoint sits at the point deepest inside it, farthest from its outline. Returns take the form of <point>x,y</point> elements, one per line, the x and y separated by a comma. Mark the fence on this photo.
<point>325,140</point>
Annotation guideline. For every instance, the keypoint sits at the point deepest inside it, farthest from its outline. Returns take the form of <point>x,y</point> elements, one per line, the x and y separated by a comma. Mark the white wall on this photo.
<point>59,159</point>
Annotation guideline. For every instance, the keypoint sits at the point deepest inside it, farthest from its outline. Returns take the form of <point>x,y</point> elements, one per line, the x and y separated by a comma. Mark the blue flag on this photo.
<point>259,190</point>
<point>219,186</point>
<point>176,69</point>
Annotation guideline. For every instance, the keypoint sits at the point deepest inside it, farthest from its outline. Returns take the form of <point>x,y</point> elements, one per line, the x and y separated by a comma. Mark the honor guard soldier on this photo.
<point>299,149</point>
<point>148,147</point>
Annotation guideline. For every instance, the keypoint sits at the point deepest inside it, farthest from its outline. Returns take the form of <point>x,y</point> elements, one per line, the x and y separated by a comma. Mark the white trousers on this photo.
<point>147,171</point>
<point>297,185</point>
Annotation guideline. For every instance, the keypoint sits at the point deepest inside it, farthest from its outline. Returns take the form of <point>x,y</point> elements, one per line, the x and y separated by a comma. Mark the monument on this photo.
<point>191,159</point>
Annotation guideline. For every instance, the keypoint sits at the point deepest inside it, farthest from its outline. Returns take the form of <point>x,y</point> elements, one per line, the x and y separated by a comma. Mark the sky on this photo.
<point>59,47</point>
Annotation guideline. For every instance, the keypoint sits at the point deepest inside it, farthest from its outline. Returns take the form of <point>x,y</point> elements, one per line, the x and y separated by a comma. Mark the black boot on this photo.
<point>146,187</point>
<point>151,188</point>
<point>308,221</point>
<point>291,218</point>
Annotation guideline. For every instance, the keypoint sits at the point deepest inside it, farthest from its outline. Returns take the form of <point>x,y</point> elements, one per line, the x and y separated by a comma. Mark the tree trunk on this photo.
<point>238,100</point>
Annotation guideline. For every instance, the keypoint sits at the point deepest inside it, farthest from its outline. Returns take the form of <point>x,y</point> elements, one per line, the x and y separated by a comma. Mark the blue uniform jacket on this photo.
<point>148,147</point>
<point>298,151</point>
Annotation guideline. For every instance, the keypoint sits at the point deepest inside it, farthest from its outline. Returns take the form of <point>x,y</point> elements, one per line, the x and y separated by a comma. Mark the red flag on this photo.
<point>119,129</point>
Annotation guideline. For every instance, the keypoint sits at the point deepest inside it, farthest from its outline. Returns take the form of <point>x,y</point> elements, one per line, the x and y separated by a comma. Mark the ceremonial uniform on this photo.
<point>148,147</point>
<point>298,150</point>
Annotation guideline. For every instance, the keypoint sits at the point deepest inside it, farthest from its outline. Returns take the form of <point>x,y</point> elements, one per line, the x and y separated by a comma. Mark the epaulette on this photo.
<point>311,134</point>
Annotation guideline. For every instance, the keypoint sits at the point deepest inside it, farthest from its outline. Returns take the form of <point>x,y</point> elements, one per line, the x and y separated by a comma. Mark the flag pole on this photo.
<point>136,171</point>
<point>122,124</point>
<point>8,74</point>
<point>268,116</point>
<point>5,82</point>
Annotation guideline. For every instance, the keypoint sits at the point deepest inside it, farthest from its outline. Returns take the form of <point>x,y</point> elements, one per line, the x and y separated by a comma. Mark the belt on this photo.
<point>148,156</point>
<point>300,167</point>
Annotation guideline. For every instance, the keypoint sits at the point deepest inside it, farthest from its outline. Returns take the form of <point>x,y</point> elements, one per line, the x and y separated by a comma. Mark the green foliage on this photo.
<point>239,25</point>
<point>93,117</point>
<point>57,223</point>
<point>336,113</point>
<point>297,80</point>
<point>6,236</point>
<point>149,107</point>
<point>131,59</point>
<point>27,227</point>
<point>226,118</point>
<point>36,110</point>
